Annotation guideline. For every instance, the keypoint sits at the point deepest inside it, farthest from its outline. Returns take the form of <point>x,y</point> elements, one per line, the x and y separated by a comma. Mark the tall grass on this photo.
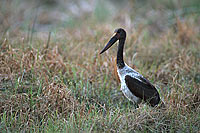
<point>61,84</point>
<point>75,89</point>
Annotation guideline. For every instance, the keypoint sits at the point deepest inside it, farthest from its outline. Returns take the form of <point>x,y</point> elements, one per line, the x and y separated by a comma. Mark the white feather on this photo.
<point>126,70</point>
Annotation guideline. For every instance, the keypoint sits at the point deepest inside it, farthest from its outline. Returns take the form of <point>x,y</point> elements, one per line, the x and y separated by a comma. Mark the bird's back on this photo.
<point>135,86</point>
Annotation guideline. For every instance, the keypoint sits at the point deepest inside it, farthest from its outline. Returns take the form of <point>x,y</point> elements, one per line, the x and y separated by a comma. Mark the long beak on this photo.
<point>110,43</point>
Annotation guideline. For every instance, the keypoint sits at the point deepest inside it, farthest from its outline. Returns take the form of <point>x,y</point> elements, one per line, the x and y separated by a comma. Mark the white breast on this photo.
<point>131,72</point>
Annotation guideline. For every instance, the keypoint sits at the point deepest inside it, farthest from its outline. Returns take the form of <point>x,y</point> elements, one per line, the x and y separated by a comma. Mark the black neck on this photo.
<point>120,61</point>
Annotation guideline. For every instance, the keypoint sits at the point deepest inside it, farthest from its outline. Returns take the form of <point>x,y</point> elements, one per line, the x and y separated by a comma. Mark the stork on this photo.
<point>133,85</point>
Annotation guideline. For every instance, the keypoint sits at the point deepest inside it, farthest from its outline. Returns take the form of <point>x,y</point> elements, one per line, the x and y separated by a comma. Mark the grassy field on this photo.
<point>57,81</point>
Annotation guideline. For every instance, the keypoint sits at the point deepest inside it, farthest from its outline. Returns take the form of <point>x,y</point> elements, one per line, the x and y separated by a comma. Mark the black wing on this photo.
<point>143,89</point>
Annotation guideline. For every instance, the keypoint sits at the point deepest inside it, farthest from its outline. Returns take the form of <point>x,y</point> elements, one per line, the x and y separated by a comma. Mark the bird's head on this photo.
<point>118,35</point>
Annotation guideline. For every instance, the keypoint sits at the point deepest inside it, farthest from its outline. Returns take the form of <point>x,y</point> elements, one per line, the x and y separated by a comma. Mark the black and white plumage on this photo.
<point>134,86</point>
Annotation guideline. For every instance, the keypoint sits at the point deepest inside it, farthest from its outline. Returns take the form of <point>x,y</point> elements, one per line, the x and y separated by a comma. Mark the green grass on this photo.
<point>55,91</point>
<point>66,86</point>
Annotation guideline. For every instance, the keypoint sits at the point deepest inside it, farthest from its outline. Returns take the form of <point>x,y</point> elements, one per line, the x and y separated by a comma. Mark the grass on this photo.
<point>58,82</point>
<point>74,89</point>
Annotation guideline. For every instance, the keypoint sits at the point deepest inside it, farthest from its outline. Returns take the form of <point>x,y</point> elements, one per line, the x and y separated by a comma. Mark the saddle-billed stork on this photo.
<point>134,86</point>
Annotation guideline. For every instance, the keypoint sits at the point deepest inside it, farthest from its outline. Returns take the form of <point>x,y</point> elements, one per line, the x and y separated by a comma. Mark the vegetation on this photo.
<point>57,81</point>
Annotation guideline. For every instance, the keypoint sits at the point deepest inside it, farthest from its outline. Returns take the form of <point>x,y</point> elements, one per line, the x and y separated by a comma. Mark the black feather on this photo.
<point>143,89</point>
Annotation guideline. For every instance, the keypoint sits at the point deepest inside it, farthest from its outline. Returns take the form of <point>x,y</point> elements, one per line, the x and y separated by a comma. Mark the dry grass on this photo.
<point>31,95</point>
<point>64,85</point>
<point>76,86</point>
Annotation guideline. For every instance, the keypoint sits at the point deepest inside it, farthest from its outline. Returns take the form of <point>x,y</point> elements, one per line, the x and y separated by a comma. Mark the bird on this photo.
<point>134,86</point>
